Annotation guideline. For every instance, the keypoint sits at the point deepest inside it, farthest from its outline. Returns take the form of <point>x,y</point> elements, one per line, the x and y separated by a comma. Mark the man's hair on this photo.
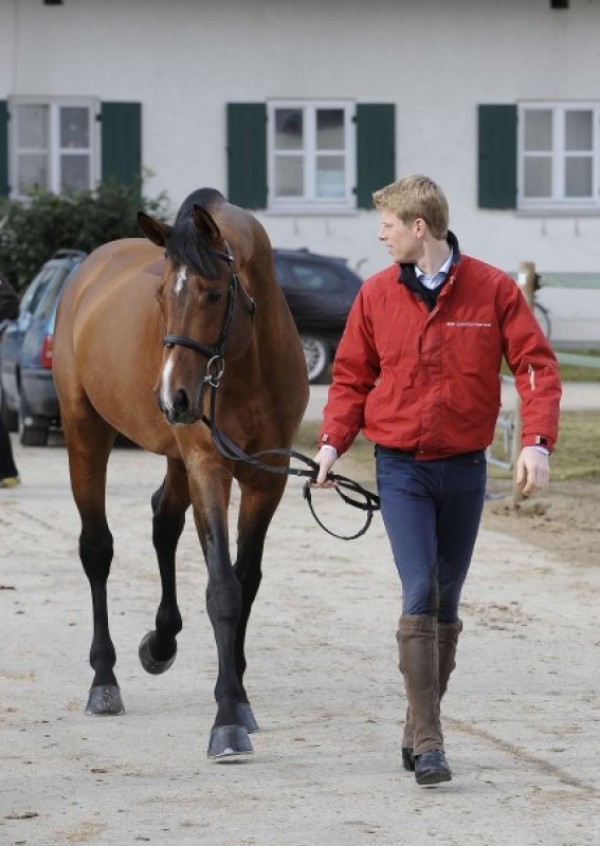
<point>416,196</point>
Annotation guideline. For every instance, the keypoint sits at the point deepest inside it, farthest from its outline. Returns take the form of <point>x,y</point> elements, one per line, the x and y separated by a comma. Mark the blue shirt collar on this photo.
<point>436,280</point>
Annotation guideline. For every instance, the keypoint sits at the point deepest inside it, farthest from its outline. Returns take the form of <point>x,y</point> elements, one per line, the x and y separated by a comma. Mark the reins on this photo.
<point>228,449</point>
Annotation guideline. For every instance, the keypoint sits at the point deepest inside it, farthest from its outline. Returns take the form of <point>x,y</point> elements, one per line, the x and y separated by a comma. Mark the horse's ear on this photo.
<point>206,226</point>
<point>154,230</point>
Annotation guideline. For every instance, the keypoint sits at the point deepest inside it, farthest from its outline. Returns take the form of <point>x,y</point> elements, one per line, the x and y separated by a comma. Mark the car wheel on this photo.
<point>9,418</point>
<point>34,436</point>
<point>34,430</point>
<point>316,353</point>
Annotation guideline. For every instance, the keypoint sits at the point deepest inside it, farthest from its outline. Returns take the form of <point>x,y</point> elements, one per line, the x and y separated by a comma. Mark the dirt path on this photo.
<point>521,714</point>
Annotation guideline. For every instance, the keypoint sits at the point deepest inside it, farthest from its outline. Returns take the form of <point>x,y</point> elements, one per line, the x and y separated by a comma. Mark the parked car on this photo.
<point>319,291</point>
<point>26,385</point>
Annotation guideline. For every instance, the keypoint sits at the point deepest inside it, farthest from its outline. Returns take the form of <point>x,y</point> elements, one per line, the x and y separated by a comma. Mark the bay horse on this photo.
<point>147,331</point>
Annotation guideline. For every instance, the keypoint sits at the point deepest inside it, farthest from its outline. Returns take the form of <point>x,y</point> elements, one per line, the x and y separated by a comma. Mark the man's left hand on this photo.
<point>533,470</point>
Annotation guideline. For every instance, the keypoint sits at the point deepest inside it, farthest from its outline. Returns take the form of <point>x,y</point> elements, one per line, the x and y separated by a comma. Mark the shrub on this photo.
<point>31,232</point>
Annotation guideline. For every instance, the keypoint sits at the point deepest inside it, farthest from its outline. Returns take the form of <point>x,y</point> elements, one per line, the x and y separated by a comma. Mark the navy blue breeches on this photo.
<point>431,511</point>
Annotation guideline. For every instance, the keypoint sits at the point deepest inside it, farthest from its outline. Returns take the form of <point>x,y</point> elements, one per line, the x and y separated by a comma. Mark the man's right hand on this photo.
<point>325,458</point>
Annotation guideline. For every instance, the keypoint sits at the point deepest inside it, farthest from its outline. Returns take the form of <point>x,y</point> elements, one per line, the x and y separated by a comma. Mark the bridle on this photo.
<point>216,353</point>
<point>215,368</point>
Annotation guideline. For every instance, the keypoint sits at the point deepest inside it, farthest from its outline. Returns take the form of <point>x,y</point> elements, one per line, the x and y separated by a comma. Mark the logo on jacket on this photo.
<point>468,324</point>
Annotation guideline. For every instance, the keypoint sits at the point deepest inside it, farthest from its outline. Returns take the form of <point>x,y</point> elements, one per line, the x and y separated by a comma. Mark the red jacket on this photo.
<point>428,381</point>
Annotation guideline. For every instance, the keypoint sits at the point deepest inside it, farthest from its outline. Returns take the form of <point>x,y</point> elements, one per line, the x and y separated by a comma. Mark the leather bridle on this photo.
<point>216,353</point>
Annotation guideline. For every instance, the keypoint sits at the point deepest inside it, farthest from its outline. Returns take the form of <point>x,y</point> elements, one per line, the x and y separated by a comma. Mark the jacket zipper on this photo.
<point>531,371</point>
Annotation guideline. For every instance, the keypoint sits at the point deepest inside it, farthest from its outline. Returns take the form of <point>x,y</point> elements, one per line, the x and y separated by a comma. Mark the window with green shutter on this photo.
<point>309,156</point>
<point>497,152</point>
<point>121,126</point>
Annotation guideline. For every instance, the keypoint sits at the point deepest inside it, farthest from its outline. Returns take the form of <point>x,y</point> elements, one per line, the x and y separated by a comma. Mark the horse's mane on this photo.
<point>185,246</point>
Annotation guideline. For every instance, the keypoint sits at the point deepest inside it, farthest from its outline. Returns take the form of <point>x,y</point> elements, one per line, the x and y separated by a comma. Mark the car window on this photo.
<point>35,290</point>
<point>49,296</point>
<point>314,276</point>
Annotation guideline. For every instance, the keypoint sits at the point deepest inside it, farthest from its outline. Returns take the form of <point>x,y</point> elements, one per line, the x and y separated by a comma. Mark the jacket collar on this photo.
<point>408,276</point>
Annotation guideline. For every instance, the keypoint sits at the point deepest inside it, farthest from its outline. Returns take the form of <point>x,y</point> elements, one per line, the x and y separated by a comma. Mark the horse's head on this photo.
<point>207,314</point>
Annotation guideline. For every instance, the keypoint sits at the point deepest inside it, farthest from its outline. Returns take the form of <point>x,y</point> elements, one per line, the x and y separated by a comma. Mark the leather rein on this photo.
<point>215,367</point>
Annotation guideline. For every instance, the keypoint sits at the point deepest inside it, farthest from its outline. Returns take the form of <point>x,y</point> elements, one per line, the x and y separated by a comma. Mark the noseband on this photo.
<point>215,354</point>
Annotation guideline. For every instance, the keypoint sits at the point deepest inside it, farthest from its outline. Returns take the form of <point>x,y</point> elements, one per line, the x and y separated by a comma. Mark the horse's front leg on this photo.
<point>87,465</point>
<point>257,508</point>
<point>229,736</point>
<point>158,648</point>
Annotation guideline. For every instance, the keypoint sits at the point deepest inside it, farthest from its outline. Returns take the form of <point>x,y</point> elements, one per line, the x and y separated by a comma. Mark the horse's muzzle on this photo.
<point>181,412</point>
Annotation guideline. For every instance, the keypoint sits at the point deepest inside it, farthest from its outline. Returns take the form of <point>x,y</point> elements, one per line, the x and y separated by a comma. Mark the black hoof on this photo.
<point>227,742</point>
<point>105,700</point>
<point>408,759</point>
<point>432,768</point>
<point>246,717</point>
<point>149,663</point>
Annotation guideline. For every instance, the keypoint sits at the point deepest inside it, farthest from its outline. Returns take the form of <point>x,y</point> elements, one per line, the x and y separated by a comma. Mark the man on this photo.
<point>417,370</point>
<point>9,309</point>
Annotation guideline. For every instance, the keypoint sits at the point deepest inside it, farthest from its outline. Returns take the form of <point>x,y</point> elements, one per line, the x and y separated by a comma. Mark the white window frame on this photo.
<point>310,203</point>
<point>558,202</point>
<point>54,151</point>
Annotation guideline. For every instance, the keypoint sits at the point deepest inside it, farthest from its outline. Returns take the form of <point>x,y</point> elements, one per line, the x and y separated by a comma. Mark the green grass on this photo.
<point>570,372</point>
<point>577,454</point>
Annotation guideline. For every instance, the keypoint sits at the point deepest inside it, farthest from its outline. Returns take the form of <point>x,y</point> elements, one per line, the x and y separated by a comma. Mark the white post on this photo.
<point>526,281</point>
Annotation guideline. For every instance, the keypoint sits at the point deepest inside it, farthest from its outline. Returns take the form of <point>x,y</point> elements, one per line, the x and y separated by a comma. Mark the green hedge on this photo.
<point>31,232</point>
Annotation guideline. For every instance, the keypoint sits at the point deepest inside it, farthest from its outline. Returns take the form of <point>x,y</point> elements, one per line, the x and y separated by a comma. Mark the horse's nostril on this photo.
<point>181,402</point>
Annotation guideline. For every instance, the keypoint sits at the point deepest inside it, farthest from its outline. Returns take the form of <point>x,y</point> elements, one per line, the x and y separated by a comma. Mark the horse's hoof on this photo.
<point>105,700</point>
<point>149,663</point>
<point>246,717</point>
<point>228,742</point>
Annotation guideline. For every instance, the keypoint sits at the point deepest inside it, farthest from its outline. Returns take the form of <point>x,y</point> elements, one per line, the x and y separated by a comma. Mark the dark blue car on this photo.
<point>319,290</point>
<point>26,385</point>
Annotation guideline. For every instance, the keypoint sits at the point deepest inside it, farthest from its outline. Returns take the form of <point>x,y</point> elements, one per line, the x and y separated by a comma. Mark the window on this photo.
<point>54,145</point>
<point>559,151</point>
<point>311,159</point>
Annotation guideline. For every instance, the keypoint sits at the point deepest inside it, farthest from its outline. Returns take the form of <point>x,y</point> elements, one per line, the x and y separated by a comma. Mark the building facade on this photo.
<point>299,109</point>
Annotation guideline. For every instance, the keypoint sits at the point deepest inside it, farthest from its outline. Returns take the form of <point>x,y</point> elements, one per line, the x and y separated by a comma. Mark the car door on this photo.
<point>12,338</point>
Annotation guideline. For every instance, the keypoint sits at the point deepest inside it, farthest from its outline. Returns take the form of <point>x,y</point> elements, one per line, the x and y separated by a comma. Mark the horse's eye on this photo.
<point>214,295</point>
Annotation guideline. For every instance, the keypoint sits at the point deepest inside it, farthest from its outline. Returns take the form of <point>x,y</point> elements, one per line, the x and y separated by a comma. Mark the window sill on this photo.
<point>310,211</point>
<point>556,212</point>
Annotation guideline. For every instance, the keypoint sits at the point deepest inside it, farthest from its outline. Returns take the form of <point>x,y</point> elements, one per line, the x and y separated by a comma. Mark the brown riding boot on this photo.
<point>448,634</point>
<point>419,664</point>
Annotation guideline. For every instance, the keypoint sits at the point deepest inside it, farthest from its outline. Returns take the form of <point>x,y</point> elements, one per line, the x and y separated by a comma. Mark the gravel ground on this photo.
<point>521,715</point>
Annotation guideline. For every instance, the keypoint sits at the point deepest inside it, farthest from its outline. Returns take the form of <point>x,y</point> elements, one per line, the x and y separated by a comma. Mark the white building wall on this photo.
<point>185,59</point>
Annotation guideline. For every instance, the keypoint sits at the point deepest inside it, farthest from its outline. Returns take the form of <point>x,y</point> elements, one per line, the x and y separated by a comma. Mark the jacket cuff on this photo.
<point>538,441</point>
<point>325,439</point>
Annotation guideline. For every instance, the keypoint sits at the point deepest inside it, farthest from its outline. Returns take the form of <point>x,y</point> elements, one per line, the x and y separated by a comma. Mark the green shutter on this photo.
<point>497,156</point>
<point>375,150</point>
<point>247,154</point>
<point>122,142</point>
<point>3,148</point>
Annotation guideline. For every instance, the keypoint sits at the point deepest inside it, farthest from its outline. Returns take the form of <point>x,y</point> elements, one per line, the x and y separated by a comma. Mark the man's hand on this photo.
<point>533,470</point>
<point>325,458</point>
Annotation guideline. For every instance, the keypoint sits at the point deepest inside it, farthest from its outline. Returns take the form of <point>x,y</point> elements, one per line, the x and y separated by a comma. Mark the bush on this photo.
<point>30,233</point>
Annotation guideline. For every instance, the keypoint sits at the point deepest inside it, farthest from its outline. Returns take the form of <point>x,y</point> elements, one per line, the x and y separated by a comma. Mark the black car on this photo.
<point>26,386</point>
<point>319,291</point>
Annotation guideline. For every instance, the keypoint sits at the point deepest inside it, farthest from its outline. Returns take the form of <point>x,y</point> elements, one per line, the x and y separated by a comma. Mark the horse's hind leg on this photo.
<point>158,648</point>
<point>256,511</point>
<point>89,443</point>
